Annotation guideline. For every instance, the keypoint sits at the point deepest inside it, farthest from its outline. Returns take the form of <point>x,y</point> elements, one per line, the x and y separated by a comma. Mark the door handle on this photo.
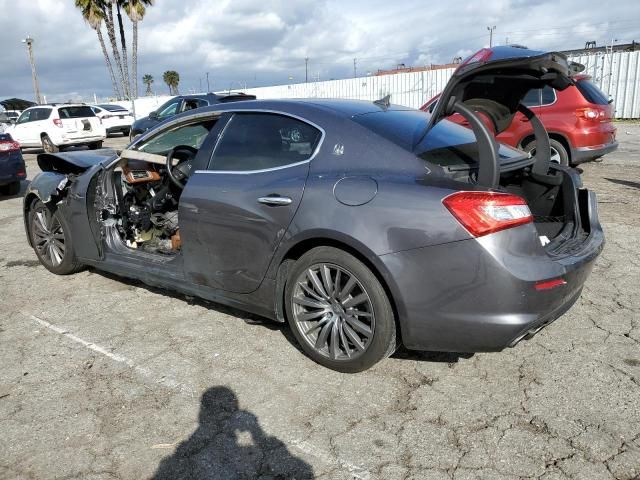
<point>275,200</point>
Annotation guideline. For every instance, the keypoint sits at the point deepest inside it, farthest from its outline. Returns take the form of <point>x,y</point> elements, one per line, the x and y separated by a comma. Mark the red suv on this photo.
<point>578,119</point>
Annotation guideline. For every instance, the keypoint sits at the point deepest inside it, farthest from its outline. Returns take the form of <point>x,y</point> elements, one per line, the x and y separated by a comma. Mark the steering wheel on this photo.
<point>179,173</point>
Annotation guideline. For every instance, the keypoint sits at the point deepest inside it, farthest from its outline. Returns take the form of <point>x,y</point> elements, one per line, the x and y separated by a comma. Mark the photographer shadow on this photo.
<point>229,443</point>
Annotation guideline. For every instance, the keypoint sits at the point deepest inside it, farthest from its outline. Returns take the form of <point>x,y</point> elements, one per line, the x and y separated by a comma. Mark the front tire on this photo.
<point>559,154</point>
<point>95,145</point>
<point>338,311</point>
<point>11,189</point>
<point>51,239</point>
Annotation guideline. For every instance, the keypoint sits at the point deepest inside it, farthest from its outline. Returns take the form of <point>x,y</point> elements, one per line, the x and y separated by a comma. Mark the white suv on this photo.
<point>58,125</point>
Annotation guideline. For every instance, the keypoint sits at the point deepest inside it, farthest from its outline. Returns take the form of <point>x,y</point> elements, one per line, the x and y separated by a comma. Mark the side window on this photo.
<point>548,95</point>
<point>191,135</point>
<point>193,103</point>
<point>170,110</point>
<point>25,117</point>
<point>40,114</point>
<point>259,141</point>
<point>532,98</point>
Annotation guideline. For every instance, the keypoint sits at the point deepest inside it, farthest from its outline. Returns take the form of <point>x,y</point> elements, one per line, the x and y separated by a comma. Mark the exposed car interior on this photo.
<point>148,180</point>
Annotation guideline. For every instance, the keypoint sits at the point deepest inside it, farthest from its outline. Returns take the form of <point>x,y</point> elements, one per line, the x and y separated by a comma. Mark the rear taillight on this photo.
<point>594,114</point>
<point>9,146</point>
<point>482,213</point>
<point>57,122</point>
<point>549,284</point>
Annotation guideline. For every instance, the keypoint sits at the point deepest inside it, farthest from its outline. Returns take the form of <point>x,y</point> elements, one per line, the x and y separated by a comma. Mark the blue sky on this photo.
<point>260,43</point>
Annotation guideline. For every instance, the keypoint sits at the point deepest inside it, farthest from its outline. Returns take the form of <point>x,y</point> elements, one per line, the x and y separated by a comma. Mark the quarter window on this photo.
<point>532,98</point>
<point>548,95</point>
<point>260,141</point>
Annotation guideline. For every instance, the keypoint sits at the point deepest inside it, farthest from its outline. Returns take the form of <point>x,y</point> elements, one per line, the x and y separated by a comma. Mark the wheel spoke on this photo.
<point>59,245</point>
<point>326,280</point>
<point>319,324</point>
<point>346,290</point>
<point>335,346</point>
<point>344,342</point>
<point>336,283</point>
<point>317,285</point>
<point>306,316</point>
<point>310,292</point>
<point>307,302</point>
<point>358,313</point>
<point>321,341</point>
<point>54,254</point>
<point>353,336</point>
<point>358,299</point>
<point>359,326</point>
<point>41,221</point>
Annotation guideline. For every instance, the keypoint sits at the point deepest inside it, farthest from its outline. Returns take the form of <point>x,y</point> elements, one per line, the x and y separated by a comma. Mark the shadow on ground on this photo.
<point>228,444</point>
<point>626,183</point>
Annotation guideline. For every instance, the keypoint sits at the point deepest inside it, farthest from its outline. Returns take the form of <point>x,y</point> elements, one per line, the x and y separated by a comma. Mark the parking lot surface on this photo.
<point>104,378</point>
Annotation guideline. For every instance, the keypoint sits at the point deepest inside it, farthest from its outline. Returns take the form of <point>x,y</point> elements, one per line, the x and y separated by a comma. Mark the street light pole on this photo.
<point>306,70</point>
<point>34,75</point>
<point>208,87</point>
<point>491,29</point>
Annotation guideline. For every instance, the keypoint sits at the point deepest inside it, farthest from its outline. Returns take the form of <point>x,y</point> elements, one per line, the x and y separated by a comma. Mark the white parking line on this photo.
<point>166,381</point>
<point>303,446</point>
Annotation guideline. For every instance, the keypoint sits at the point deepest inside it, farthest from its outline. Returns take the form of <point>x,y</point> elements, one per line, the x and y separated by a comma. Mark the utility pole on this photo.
<point>306,70</point>
<point>491,29</point>
<point>355,68</point>
<point>200,83</point>
<point>208,87</point>
<point>34,75</point>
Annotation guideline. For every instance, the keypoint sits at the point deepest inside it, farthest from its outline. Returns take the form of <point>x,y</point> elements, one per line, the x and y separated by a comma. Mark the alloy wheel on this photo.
<point>333,311</point>
<point>48,236</point>
<point>555,155</point>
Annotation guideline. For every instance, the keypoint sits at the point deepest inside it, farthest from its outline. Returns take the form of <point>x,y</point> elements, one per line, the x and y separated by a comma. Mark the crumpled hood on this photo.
<point>74,162</point>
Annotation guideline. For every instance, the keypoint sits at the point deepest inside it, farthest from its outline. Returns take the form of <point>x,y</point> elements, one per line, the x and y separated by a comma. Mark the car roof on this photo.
<point>345,108</point>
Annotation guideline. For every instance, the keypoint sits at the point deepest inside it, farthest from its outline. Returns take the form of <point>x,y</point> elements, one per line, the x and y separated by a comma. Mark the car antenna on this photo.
<point>384,102</point>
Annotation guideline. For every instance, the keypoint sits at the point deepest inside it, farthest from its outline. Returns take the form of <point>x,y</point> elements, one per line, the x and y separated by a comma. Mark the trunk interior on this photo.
<point>558,209</point>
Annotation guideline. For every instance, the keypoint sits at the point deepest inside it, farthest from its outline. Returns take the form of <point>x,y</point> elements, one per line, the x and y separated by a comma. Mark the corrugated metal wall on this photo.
<point>617,74</point>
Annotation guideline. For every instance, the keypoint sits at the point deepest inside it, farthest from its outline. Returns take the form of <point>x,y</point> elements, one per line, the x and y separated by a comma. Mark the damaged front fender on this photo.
<point>48,186</point>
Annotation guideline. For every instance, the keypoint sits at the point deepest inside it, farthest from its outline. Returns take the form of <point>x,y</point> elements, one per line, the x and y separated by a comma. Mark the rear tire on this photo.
<point>51,239</point>
<point>95,145</point>
<point>48,146</point>
<point>558,152</point>
<point>338,311</point>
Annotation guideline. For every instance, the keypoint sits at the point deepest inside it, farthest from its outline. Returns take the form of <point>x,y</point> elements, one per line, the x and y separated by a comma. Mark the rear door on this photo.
<point>24,131</point>
<point>79,121</point>
<point>235,213</point>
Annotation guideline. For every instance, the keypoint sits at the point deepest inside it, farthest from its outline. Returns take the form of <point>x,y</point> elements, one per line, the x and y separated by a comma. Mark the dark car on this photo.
<point>362,224</point>
<point>181,104</point>
<point>12,168</point>
<point>578,119</point>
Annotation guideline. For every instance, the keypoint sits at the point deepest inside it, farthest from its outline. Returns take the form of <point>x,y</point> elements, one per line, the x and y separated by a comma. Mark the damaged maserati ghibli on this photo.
<point>364,225</point>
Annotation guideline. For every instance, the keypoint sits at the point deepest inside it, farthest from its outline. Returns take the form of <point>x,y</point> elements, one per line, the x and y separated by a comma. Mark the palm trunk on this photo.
<point>134,60</point>
<point>108,21</point>
<point>114,83</point>
<point>123,43</point>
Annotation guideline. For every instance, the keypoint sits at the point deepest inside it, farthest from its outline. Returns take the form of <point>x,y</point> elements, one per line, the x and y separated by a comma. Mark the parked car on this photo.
<point>362,224</point>
<point>13,114</point>
<point>56,126</point>
<point>180,104</point>
<point>579,121</point>
<point>12,167</point>
<point>116,119</point>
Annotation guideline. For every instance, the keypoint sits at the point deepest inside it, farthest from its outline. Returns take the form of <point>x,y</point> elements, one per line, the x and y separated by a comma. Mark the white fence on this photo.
<point>617,74</point>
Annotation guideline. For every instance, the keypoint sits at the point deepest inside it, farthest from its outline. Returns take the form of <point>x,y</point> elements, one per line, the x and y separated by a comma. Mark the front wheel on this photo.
<point>11,189</point>
<point>95,145</point>
<point>51,240</point>
<point>558,152</point>
<point>338,311</point>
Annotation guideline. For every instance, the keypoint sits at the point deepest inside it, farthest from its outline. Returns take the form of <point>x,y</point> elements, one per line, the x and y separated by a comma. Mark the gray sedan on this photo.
<point>363,225</point>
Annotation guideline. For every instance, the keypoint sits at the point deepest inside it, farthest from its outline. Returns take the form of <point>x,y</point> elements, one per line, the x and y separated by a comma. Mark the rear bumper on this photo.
<point>479,294</point>
<point>12,168</point>
<point>584,154</point>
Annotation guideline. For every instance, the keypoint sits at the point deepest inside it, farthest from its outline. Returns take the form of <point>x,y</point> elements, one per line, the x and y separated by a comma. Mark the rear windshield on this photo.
<point>76,112</point>
<point>447,144</point>
<point>113,108</point>
<point>591,92</point>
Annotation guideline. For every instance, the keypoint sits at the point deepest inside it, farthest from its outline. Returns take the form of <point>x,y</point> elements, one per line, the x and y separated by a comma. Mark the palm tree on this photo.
<point>172,79</point>
<point>136,9</point>
<point>108,21</point>
<point>123,44</point>
<point>148,80</point>
<point>94,14</point>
